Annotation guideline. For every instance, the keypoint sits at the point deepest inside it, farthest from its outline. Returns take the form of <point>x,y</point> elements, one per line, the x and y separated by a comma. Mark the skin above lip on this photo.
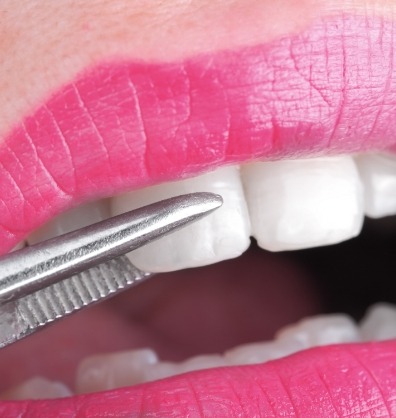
<point>124,125</point>
<point>334,381</point>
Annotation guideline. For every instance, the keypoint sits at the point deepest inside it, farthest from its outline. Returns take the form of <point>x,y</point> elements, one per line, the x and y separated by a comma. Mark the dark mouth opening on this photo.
<point>214,308</point>
<point>357,273</point>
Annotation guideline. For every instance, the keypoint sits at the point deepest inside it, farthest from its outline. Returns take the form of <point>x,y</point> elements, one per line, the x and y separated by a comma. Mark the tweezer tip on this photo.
<point>210,201</point>
<point>198,204</point>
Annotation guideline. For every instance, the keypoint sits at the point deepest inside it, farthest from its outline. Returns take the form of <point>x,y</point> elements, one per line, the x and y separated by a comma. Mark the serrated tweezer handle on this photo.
<point>50,280</point>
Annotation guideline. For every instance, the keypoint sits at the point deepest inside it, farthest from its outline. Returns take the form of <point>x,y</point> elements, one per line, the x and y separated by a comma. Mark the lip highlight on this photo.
<point>124,125</point>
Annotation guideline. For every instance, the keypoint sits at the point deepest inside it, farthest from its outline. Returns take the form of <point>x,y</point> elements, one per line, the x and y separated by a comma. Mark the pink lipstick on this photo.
<point>124,125</point>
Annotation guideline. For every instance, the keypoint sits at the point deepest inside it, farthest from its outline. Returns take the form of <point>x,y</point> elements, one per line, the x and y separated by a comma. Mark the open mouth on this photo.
<point>296,135</point>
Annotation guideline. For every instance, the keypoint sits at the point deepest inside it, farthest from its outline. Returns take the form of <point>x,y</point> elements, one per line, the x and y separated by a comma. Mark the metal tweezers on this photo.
<point>50,280</point>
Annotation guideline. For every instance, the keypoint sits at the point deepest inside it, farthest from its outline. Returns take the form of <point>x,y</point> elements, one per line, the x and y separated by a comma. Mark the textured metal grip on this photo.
<point>26,315</point>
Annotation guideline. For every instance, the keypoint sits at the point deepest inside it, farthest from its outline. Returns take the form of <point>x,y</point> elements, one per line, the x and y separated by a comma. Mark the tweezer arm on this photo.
<point>36,267</point>
<point>49,281</point>
<point>22,317</point>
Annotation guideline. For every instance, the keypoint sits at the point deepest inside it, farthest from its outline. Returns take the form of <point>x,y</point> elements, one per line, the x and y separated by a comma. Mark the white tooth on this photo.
<point>160,370</point>
<point>303,203</point>
<point>320,330</point>
<point>207,361</point>
<point>379,323</point>
<point>310,332</point>
<point>75,218</point>
<point>165,369</point>
<point>37,388</point>
<point>222,235</point>
<point>378,173</point>
<point>259,352</point>
<point>109,371</point>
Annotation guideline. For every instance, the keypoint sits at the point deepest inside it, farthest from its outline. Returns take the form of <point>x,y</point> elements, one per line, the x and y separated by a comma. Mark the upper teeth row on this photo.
<point>285,205</point>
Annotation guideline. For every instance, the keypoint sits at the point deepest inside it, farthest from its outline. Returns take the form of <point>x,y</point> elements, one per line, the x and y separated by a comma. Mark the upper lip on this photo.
<point>124,125</point>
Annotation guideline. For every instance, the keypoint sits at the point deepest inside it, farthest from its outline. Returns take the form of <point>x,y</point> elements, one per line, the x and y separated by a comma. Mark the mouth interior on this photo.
<point>214,308</point>
<point>355,274</point>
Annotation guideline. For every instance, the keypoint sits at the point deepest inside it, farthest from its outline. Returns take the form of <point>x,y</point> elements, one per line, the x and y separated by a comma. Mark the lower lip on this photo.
<point>341,381</point>
<point>125,125</point>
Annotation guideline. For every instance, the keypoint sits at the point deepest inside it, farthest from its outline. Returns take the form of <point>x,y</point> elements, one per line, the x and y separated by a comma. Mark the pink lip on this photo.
<point>335,381</point>
<point>124,125</point>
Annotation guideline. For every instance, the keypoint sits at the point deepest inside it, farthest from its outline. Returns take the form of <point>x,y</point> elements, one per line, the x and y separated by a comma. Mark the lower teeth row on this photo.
<point>109,371</point>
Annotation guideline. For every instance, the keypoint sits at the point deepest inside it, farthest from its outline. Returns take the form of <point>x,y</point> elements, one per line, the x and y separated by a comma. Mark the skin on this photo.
<point>44,44</point>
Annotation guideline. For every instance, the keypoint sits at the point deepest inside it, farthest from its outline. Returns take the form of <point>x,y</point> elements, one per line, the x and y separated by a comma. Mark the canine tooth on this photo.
<point>222,235</point>
<point>37,388</point>
<point>379,323</point>
<point>320,330</point>
<point>109,371</point>
<point>378,173</point>
<point>303,203</point>
<point>75,218</point>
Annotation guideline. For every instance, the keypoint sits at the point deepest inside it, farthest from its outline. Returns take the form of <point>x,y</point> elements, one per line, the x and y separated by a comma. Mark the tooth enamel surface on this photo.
<point>222,235</point>
<point>110,371</point>
<point>37,388</point>
<point>320,330</point>
<point>165,369</point>
<point>258,352</point>
<point>303,203</point>
<point>379,323</point>
<point>114,370</point>
<point>310,332</point>
<point>202,362</point>
<point>378,173</point>
<point>75,218</point>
